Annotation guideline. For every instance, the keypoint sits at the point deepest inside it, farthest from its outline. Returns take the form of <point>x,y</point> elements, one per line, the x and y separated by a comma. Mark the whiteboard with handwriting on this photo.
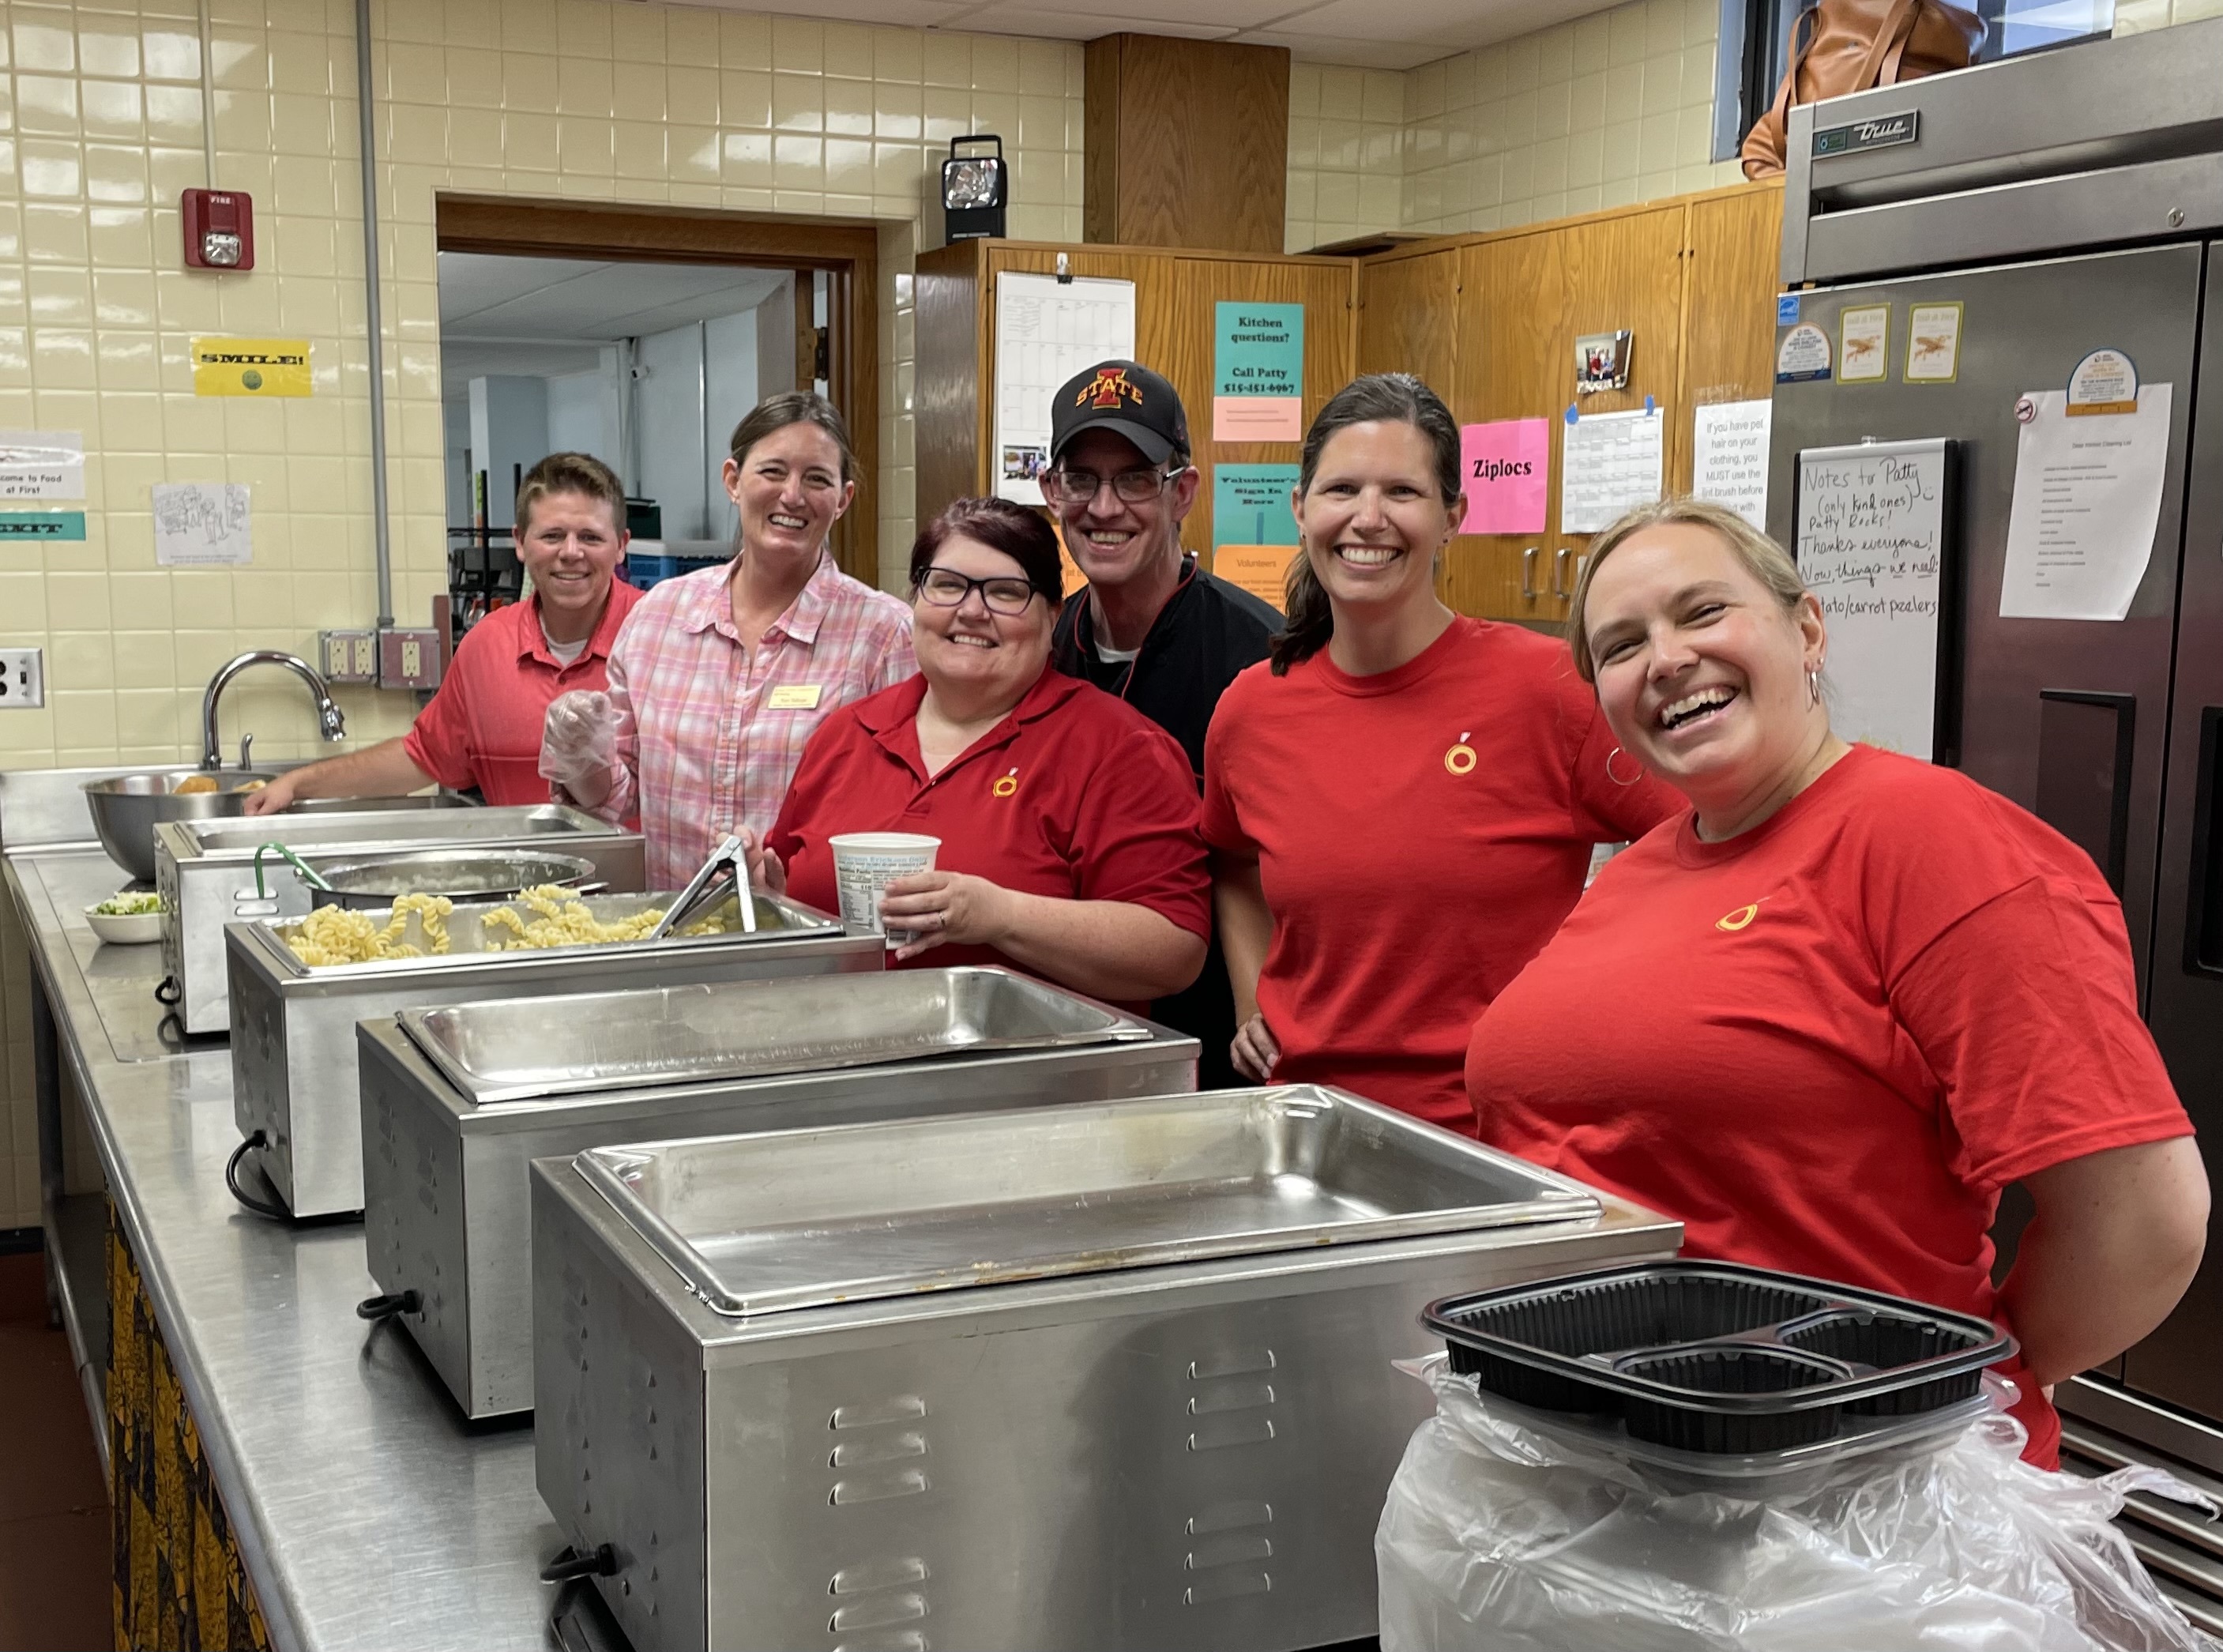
<point>1871,542</point>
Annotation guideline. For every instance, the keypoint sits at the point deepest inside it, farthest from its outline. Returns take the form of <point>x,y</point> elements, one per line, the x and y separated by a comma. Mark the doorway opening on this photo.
<point>641,337</point>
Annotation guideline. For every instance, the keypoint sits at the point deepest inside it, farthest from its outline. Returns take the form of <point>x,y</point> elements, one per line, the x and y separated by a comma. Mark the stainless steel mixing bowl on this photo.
<point>127,808</point>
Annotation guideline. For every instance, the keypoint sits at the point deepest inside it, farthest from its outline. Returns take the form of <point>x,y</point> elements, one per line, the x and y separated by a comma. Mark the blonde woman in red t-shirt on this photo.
<point>1829,1012</point>
<point>1402,801</point>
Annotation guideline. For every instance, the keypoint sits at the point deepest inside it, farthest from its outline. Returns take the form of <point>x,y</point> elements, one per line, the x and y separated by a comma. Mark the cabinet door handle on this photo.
<point>1559,587</point>
<point>1529,573</point>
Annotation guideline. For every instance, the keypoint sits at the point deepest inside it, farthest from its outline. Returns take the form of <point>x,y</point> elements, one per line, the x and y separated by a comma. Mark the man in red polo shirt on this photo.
<point>483,728</point>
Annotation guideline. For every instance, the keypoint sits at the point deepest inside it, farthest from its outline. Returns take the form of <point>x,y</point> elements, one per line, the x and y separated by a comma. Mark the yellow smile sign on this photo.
<point>251,367</point>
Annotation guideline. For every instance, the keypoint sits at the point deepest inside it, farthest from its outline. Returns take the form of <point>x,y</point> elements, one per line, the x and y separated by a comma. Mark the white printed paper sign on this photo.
<point>2087,504</point>
<point>201,525</point>
<point>1729,457</point>
<point>1608,463</point>
<point>41,465</point>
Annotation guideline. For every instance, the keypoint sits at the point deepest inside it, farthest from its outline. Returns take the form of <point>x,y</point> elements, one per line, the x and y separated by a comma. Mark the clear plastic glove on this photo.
<point>579,739</point>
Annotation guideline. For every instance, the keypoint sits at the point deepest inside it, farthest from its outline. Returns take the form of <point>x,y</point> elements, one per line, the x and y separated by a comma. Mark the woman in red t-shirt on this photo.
<point>1826,1014</point>
<point>1402,802</point>
<point>1068,819</point>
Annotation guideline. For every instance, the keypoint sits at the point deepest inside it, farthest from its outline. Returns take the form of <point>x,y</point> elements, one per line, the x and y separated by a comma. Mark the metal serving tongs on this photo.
<point>731,858</point>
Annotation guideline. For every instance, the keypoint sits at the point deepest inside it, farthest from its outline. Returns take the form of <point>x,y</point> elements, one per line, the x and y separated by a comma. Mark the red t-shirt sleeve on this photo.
<point>1222,828</point>
<point>438,741</point>
<point>1136,837</point>
<point>2026,1009</point>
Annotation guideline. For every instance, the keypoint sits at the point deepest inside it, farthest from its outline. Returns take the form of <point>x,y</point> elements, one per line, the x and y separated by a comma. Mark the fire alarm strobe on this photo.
<point>219,229</point>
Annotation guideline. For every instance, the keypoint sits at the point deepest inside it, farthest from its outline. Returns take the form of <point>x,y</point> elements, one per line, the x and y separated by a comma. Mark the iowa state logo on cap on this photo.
<point>1109,388</point>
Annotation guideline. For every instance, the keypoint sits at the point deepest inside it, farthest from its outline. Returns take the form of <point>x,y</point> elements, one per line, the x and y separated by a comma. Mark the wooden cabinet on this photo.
<point>1490,321</point>
<point>1176,292</point>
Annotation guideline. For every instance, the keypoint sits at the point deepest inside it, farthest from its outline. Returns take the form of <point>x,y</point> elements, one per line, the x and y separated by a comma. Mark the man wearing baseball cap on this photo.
<point>1153,628</point>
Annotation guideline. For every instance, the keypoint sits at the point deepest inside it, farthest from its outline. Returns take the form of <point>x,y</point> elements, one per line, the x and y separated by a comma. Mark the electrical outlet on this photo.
<point>409,657</point>
<point>23,678</point>
<point>350,656</point>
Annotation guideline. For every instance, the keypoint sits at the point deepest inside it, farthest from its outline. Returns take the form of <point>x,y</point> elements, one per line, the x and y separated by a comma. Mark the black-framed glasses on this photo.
<point>946,587</point>
<point>1080,487</point>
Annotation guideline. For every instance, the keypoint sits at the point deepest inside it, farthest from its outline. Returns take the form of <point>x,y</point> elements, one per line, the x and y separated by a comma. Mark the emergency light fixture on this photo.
<point>975,189</point>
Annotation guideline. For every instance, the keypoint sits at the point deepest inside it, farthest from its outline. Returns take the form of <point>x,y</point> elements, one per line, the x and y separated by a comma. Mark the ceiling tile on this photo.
<point>1221,17</point>
<point>1364,34</point>
<point>1081,24</point>
<point>1352,53</point>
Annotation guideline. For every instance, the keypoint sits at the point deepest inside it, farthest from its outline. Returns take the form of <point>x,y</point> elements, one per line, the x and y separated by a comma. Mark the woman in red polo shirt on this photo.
<point>1827,1013</point>
<point>1068,819</point>
<point>1402,802</point>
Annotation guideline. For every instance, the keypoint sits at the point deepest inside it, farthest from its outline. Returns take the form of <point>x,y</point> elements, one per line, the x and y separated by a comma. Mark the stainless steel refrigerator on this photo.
<point>2067,202</point>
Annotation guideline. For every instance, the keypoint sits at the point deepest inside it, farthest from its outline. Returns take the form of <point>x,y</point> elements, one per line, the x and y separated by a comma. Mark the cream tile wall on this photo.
<point>2139,16</point>
<point>100,129</point>
<point>1615,108</point>
<point>1347,153</point>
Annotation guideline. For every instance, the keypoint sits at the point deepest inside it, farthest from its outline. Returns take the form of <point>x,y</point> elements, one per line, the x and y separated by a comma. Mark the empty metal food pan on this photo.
<point>293,1051</point>
<point>1753,1360</point>
<point>808,1218</point>
<point>459,874</point>
<point>514,1052</point>
<point>444,1176</point>
<point>1183,1458</point>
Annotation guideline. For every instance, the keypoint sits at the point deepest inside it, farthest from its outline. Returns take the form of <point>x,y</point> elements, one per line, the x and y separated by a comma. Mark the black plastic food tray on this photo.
<point>1715,1357</point>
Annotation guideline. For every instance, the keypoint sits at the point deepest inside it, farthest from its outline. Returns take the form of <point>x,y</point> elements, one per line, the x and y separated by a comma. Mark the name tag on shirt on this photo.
<point>794,696</point>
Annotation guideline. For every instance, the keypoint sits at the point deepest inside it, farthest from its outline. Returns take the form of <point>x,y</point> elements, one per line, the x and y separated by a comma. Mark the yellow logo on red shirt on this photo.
<point>1461,758</point>
<point>1739,919</point>
<point>1006,785</point>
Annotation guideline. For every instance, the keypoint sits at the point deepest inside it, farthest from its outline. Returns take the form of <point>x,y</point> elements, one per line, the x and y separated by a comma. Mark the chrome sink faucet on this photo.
<point>330,720</point>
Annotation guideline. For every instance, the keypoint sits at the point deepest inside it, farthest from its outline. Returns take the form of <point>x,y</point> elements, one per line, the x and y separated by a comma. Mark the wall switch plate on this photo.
<point>22,679</point>
<point>409,657</point>
<point>348,656</point>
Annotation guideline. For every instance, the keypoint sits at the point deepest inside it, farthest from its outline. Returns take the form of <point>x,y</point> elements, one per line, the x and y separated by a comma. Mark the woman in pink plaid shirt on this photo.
<point>719,678</point>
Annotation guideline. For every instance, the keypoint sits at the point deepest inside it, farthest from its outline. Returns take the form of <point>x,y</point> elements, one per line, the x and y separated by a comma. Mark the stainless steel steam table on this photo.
<point>368,1513</point>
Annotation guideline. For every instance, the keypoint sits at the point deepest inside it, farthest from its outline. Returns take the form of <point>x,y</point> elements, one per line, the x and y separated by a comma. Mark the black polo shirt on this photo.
<point>1208,632</point>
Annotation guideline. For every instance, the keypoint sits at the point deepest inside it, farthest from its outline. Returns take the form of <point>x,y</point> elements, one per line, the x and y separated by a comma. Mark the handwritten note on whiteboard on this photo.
<point>1608,463</point>
<point>201,524</point>
<point>1871,543</point>
<point>1729,457</point>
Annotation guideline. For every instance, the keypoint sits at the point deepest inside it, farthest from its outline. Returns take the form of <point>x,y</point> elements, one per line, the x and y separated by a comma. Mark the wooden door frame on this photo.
<point>848,249</point>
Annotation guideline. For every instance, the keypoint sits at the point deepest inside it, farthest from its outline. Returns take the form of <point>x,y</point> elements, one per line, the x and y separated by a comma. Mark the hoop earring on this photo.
<point>1813,688</point>
<point>1615,779</point>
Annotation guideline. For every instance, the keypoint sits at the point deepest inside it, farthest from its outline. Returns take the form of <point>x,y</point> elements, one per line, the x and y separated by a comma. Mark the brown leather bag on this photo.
<point>1845,45</point>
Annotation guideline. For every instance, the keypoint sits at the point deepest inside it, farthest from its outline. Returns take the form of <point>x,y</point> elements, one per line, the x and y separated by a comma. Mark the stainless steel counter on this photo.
<point>368,1513</point>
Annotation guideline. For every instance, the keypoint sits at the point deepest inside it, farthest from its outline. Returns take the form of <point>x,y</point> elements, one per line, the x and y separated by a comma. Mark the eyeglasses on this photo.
<point>1080,487</point>
<point>946,587</point>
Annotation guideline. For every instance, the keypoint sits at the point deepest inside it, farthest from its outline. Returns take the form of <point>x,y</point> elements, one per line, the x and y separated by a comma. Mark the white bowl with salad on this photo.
<point>130,920</point>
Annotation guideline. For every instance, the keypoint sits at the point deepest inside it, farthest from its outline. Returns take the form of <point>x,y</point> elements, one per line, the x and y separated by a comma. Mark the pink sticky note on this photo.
<point>1507,470</point>
<point>1257,419</point>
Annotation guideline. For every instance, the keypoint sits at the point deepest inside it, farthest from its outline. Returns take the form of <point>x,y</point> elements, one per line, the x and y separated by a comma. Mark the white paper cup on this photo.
<point>866,863</point>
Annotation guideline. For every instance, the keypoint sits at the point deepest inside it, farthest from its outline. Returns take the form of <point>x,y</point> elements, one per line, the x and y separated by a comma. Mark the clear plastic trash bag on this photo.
<point>1502,1536</point>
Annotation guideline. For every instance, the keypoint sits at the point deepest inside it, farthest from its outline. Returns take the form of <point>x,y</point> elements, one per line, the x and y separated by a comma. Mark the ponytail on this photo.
<point>1310,622</point>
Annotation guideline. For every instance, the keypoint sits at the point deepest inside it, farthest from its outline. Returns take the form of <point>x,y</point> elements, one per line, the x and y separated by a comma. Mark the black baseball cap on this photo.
<point>1126,399</point>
